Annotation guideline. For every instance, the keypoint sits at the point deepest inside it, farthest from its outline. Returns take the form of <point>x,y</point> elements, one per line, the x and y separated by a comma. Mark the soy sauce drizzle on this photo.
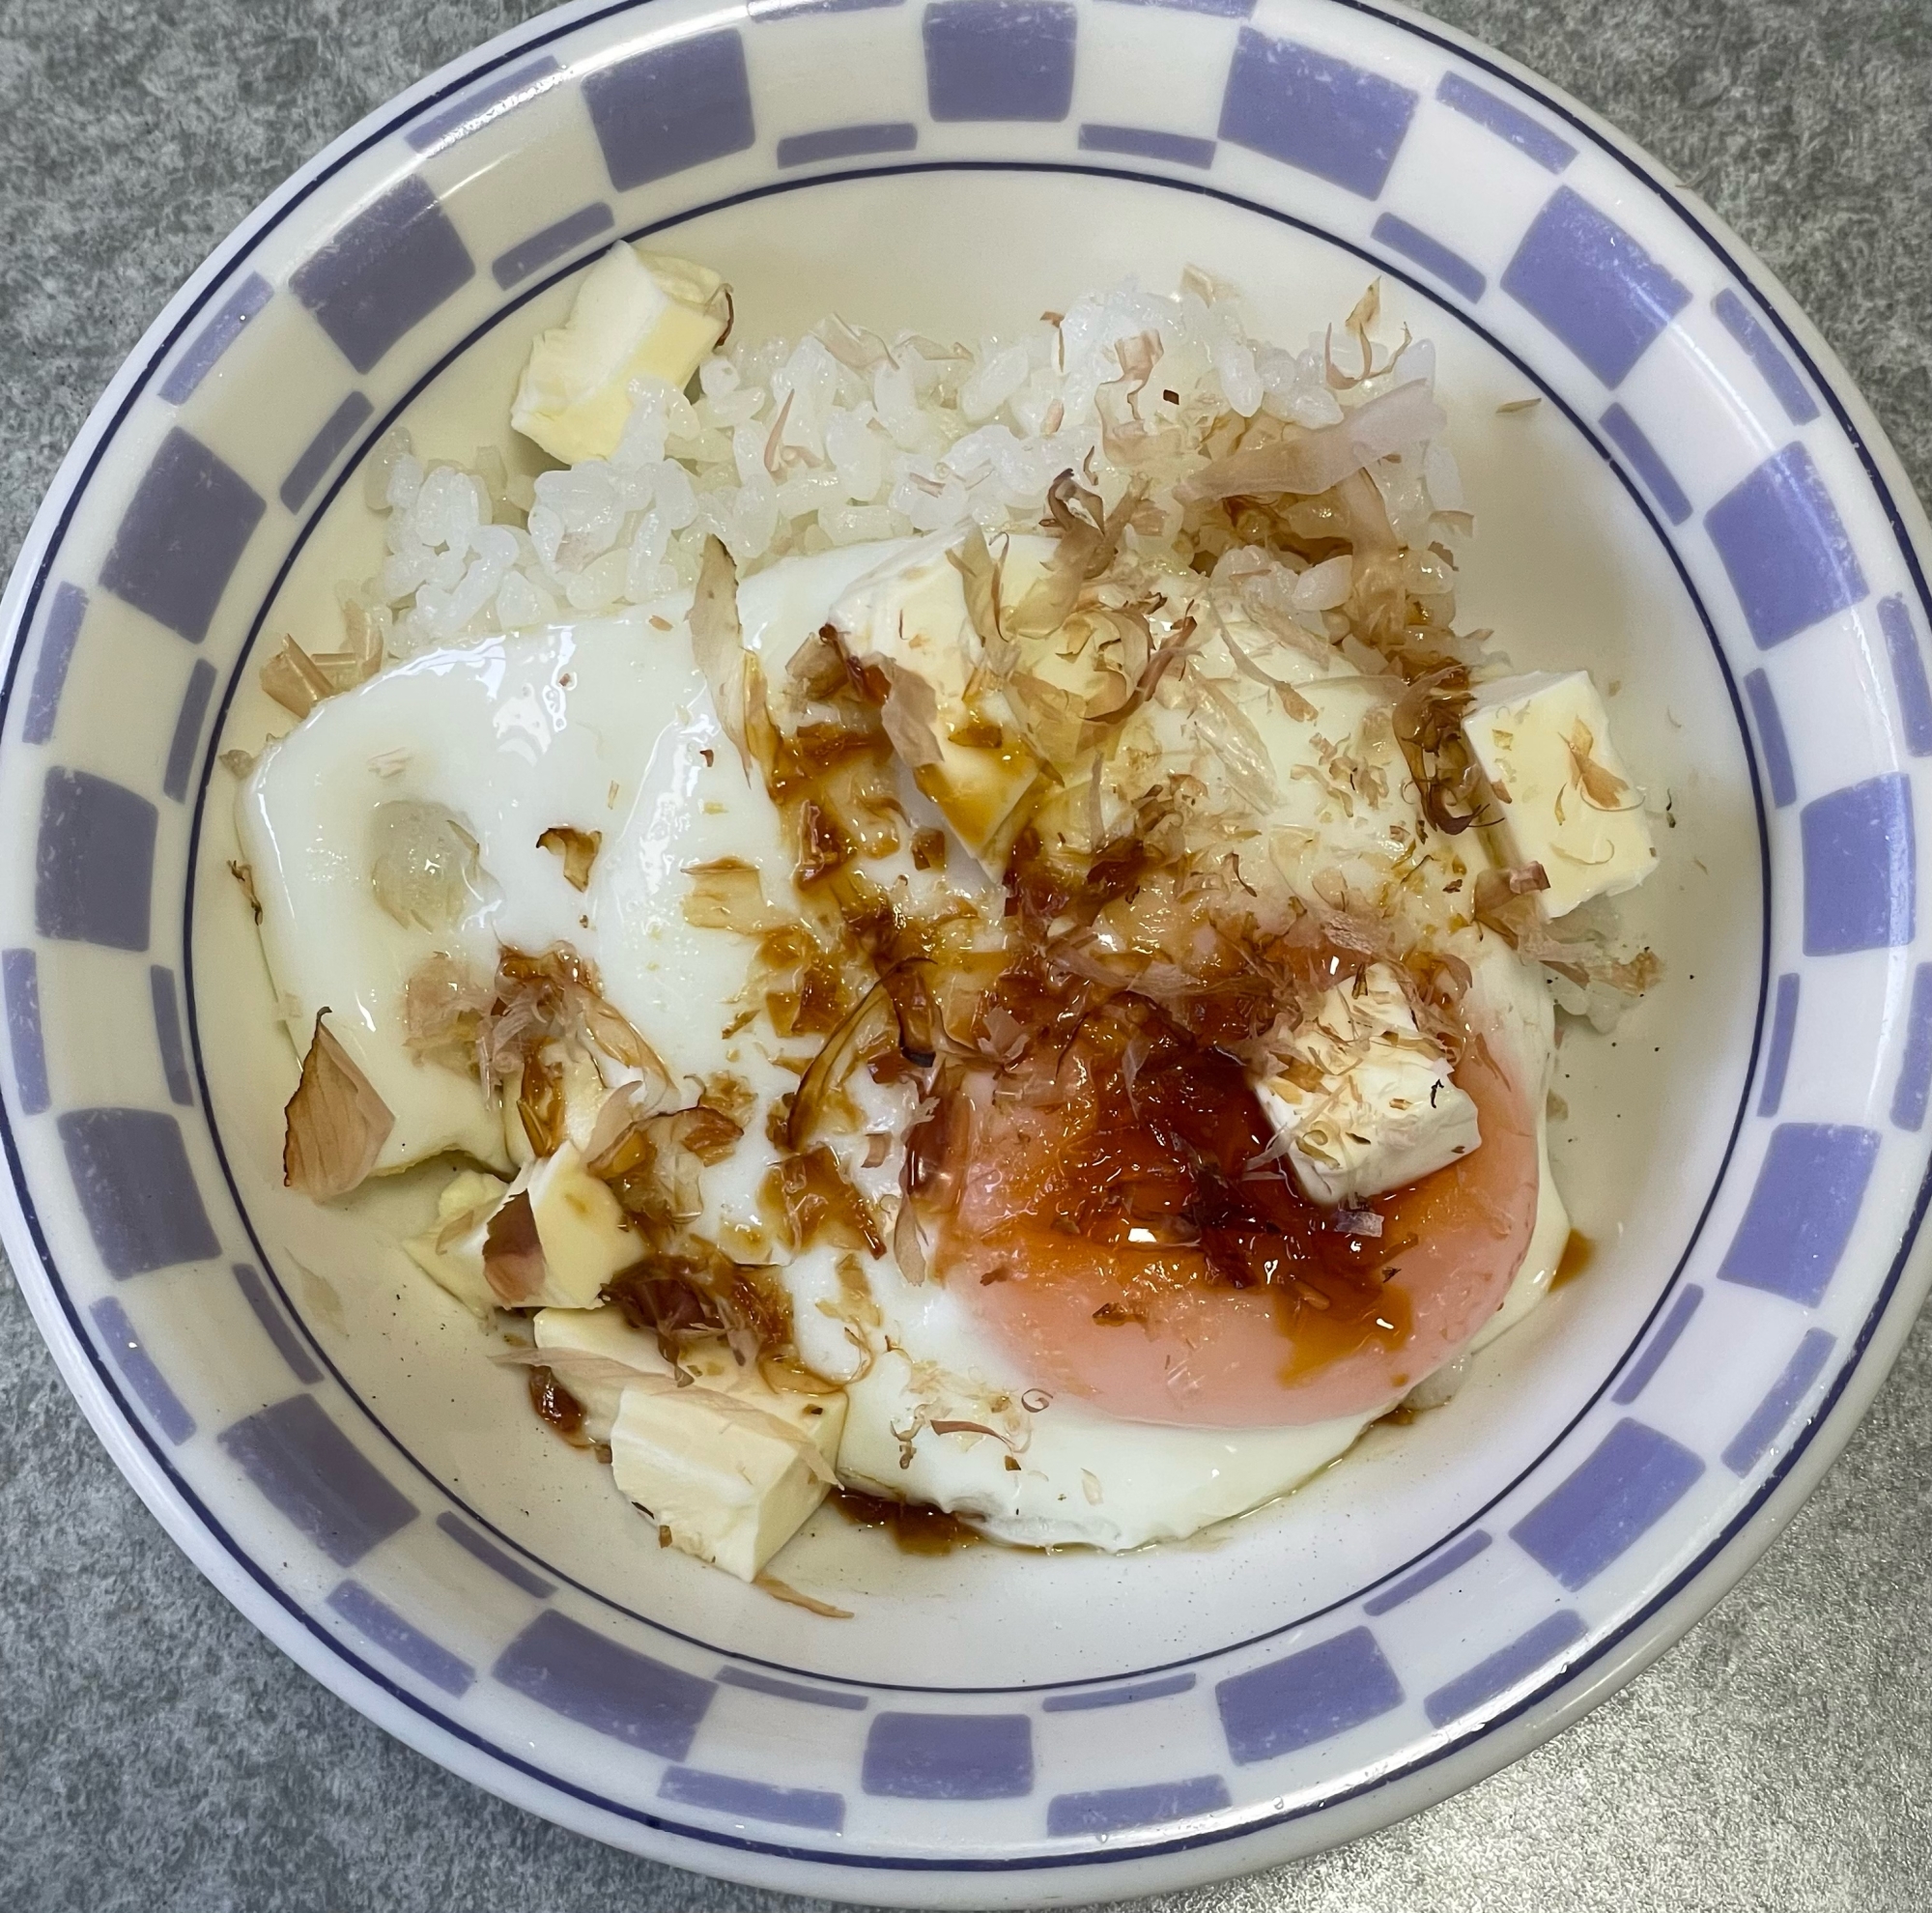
<point>1165,1168</point>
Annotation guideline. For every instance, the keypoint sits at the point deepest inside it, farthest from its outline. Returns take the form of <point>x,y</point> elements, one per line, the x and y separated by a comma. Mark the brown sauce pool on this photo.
<point>1578,1252</point>
<point>561,1413</point>
<point>913,1531</point>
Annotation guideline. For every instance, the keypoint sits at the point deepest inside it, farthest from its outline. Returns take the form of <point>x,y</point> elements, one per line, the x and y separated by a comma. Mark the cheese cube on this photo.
<point>579,1227</point>
<point>1566,798</point>
<point>451,1254</point>
<point>1366,1104</point>
<point>726,1472</point>
<point>617,1352</point>
<point>908,618</point>
<point>720,1463</point>
<point>638,315</point>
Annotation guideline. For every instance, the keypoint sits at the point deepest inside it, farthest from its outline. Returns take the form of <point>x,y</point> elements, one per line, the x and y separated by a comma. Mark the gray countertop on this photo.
<point>157,1753</point>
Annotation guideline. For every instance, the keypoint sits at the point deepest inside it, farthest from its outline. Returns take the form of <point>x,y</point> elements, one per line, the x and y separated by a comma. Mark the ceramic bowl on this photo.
<point>1697,506</point>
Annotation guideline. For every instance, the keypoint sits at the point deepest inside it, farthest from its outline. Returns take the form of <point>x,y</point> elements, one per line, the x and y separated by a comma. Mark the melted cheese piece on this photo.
<point>638,315</point>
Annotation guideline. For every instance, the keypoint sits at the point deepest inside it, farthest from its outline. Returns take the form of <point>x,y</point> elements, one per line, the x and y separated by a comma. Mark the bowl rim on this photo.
<point>951,1880</point>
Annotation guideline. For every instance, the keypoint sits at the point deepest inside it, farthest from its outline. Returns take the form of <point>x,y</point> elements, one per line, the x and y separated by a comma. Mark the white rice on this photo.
<point>840,436</point>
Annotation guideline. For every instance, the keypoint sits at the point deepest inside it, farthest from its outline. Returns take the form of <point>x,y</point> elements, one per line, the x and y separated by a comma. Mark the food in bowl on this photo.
<point>954,924</point>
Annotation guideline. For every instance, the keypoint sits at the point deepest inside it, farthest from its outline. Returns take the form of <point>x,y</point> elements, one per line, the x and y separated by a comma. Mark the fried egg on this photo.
<point>606,727</point>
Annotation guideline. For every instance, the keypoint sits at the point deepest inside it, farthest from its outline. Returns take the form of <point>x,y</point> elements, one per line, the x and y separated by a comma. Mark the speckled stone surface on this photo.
<point>155,1753</point>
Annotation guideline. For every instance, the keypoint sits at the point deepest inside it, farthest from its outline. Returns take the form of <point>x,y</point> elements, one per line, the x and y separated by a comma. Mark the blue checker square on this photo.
<point>1306,1698</point>
<point>393,265</point>
<point>1337,121</point>
<point>1502,1669</point>
<point>1860,867</point>
<point>318,1478</point>
<point>1593,285</point>
<point>574,1671</point>
<point>676,106</point>
<point>1786,548</point>
<point>1000,59</point>
<point>1800,1213</point>
<point>1632,1480</point>
<point>753,1800</point>
<point>181,536</point>
<point>137,1367</point>
<point>376,1621</point>
<point>1115,1810</point>
<point>1767,1421</point>
<point>20,977</point>
<point>950,1756</point>
<point>94,863</point>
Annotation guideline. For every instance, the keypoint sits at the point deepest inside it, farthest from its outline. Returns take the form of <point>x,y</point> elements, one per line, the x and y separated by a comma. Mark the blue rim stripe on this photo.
<point>1627,435</point>
<point>1432,255</point>
<point>1440,1568</point>
<point>1908,671</point>
<point>1504,1668</point>
<point>1915,1069</point>
<point>1775,370</point>
<point>276,1323</point>
<point>1783,1027</point>
<point>171,1417</point>
<point>491,1555</point>
<point>1117,1696</point>
<point>20,970</point>
<point>214,338</point>
<point>1637,1379</point>
<point>504,94</point>
<point>1772,739</point>
<point>187,730</point>
<point>57,642</point>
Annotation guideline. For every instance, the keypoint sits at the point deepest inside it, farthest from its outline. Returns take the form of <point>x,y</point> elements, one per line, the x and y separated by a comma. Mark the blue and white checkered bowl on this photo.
<point>1700,510</point>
